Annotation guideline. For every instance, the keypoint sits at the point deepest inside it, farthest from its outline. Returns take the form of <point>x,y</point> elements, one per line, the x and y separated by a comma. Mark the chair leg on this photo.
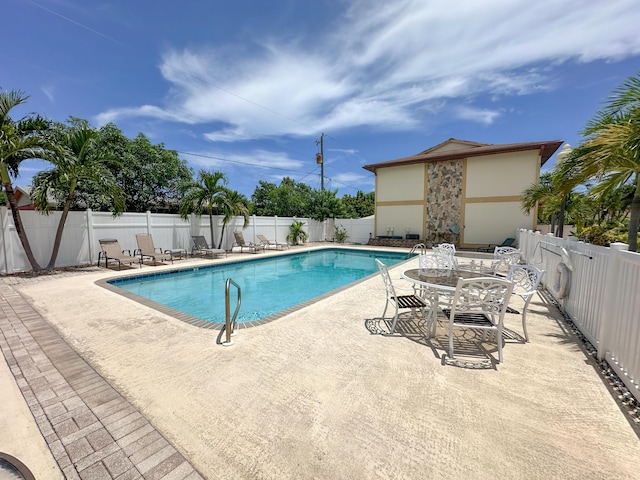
<point>450,341</point>
<point>395,320</point>
<point>524,319</point>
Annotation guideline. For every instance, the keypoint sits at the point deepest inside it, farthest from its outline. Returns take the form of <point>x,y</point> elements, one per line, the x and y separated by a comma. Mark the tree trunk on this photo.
<point>17,221</point>
<point>222,234</point>
<point>213,242</point>
<point>634,218</point>
<point>563,208</point>
<point>58,240</point>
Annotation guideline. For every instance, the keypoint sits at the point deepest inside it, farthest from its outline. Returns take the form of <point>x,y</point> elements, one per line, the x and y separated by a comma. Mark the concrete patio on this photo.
<point>322,392</point>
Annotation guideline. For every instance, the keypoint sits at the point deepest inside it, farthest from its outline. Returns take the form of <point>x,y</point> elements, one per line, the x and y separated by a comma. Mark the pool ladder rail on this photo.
<point>230,323</point>
<point>418,248</point>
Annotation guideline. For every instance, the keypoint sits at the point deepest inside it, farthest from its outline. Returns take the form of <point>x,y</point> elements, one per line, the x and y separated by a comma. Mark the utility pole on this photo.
<point>320,160</point>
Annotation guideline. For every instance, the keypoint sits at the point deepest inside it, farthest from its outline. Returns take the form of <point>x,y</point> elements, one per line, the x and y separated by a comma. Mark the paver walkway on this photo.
<point>93,432</point>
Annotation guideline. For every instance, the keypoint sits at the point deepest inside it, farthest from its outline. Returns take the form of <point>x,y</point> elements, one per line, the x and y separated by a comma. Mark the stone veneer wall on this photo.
<point>444,201</point>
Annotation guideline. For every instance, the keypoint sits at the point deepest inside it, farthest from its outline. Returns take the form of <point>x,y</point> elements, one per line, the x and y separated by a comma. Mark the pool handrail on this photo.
<point>230,324</point>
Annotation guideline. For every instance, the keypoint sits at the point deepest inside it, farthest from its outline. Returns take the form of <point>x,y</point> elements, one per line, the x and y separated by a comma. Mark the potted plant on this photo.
<point>296,233</point>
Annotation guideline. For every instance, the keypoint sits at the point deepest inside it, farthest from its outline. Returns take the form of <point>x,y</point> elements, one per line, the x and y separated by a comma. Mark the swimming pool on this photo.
<point>269,285</point>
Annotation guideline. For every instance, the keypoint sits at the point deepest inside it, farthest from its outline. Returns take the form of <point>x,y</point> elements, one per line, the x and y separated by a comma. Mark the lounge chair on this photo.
<point>110,250</point>
<point>201,247</point>
<point>240,246</point>
<point>146,249</point>
<point>269,245</point>
<point>508,242</point>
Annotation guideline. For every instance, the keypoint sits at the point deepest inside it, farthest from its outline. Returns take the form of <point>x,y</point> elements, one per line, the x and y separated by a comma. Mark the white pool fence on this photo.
<point>82,231</point>
<point>601,295</point>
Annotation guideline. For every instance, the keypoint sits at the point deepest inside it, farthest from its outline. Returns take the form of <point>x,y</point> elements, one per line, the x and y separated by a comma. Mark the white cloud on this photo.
<point>479,115</point>
<point>388,65</point>
<point>212,160</point>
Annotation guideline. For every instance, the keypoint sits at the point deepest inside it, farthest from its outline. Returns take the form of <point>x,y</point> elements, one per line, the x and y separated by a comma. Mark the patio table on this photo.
<point>442,283</point>
<point>441,278</point>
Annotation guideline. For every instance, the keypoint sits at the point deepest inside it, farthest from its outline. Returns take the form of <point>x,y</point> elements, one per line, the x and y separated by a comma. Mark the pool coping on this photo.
<point>198,322</point>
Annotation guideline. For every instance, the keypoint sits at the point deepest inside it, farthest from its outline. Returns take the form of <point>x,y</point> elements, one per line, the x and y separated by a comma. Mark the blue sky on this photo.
<point>248,86</point>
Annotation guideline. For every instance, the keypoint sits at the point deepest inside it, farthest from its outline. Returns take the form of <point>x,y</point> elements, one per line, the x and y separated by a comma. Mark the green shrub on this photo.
<point>340,234</point>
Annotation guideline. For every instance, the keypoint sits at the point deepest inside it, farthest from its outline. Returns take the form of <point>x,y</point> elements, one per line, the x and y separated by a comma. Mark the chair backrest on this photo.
<point>449,248</point>
<point>499,251</point>
<point>263,239</point>
<point>145,243</point>
<point>506,256</point>
<point>111,247</point>
<point>488,295</point>
<point>435,260</point>
<point>199,241</point>
<point>386,278</point>
<point>525,278</point>
<point>239,239</point>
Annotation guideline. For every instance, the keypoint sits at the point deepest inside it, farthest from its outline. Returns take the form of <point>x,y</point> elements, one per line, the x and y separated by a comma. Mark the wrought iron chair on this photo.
<point>412,301</point>
<point>480,304</point>
<point>525,279</point>
<point>447,249</point>
<point>504,257</point>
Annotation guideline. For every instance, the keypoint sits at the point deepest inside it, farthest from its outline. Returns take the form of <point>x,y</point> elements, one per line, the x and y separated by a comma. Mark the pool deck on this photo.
<point>96,386</point>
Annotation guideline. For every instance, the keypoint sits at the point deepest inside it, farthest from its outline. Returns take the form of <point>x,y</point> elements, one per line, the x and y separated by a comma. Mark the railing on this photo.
<point>230,323</point>
<point>602,297</point>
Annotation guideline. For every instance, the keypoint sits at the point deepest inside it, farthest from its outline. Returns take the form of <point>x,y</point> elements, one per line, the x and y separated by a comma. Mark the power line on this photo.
<point>243,163</point>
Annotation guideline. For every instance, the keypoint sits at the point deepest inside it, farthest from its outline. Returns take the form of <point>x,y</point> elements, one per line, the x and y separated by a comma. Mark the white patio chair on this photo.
<point>525,279</point>
<point>448,250</point>
<point>438,298</point>
<point>480,304</point>
<point>504,257</point>
<point>412,301</point>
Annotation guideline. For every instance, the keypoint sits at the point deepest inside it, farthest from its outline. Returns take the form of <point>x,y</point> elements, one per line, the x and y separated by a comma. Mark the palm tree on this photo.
<point>20,140</point>
<point>545,195</point>
<point>232,204</point>
<point>203,195</point>
<point>611,152</point>
<point>76,162</point>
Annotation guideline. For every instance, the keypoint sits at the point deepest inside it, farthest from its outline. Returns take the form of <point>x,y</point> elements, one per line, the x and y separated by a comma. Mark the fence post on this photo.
<point>275,227</point>
<point>609,307</point>
<point>90,239</point>
<point>4,232</point>
<point>148,214</point>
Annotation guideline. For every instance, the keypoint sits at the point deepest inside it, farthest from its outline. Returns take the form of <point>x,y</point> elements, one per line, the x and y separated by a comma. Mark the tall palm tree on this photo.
<point>203,195</point>
<point>20,140</point>
<point>232,204</point>
<point>75,162</point>
<point>610,153</point>
<point>546,195</point>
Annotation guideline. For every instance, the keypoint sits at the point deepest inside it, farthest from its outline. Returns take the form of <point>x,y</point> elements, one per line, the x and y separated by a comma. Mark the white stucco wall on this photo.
<point>400,183</point>
<point>399,217</point>
<point>492,222</point>
<point>507,174</point>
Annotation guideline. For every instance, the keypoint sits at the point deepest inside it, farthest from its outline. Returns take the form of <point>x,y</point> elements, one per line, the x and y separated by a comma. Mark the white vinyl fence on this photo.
<point>603,295</point>
<point>82,231</point>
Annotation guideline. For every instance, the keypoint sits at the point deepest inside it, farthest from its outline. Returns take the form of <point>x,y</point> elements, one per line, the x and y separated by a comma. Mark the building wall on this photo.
<point>491,204</point>
<point>400,194</point>
<point>468,202</point>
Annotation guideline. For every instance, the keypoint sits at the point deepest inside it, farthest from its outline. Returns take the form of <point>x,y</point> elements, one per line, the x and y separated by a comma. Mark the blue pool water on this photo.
<point>269,285</point>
